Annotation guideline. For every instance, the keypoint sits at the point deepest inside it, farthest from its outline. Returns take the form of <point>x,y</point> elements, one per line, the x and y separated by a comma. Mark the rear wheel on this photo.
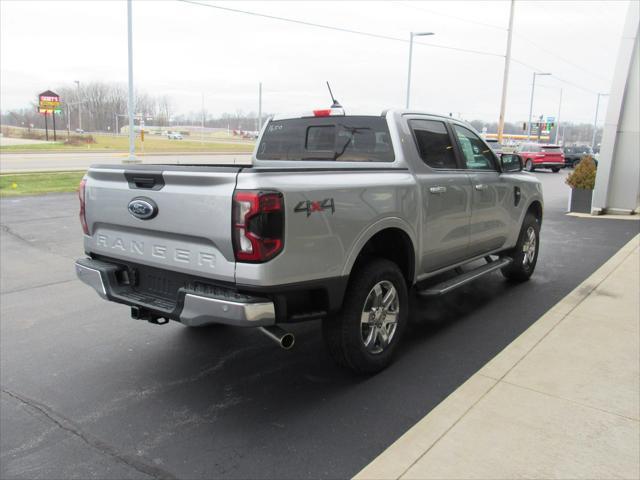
<point>364,335</point>
<point>555,170</point>
<point>525,253</point>
<point>529,165</point>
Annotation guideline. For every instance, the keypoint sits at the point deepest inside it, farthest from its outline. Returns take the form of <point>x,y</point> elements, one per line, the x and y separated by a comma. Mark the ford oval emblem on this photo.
<point>143,208</point>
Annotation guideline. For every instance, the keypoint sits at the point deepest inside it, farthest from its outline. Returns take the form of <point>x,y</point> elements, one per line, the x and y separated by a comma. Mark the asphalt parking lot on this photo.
<point>89,393</point>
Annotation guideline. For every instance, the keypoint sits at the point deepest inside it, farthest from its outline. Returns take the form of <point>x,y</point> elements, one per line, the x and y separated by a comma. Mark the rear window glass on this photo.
<point>554,149</point>
<point>343,139</point>
<point>321,138</point>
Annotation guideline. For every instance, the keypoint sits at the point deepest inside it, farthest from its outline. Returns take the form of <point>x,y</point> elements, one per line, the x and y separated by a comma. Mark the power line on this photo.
<point>339,29</point>
<point>488,25</point>
<point>523,37</point>
<point>376,35</point>
<point>497,27</point>
<point>536,69</point>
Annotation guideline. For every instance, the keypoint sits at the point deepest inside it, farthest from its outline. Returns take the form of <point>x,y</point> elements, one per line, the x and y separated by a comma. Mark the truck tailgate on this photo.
<point>190,231</point>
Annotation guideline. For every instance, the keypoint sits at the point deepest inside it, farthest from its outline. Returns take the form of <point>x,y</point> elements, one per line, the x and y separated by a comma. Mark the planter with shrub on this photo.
<point>582,181</point>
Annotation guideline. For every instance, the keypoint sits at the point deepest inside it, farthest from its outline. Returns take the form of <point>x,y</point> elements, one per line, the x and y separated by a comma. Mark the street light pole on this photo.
<point>533,87</point>
<point>77,82</point>
<point>505,79</point>
<point>595,121</point>
<point>132,157</point>
<point>259,107</point>
<point>202,122</point>
<point>558,121</point>
<point>411,35</point>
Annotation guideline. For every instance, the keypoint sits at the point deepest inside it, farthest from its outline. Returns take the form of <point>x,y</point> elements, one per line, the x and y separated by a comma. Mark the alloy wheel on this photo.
<point>379,319</point>
<point>529,248</point>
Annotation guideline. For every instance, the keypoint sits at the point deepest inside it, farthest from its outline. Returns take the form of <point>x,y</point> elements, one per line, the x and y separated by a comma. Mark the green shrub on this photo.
<point>79,140</point>
<point>584,175</point>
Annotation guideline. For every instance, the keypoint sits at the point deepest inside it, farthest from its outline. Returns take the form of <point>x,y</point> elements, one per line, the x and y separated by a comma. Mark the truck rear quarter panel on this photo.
<point>324,243</point>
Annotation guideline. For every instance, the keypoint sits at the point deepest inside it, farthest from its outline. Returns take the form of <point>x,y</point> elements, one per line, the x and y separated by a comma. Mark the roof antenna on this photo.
<point>335,103</point>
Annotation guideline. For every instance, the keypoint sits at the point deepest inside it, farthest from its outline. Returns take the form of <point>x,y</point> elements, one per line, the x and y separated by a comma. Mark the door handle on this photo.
<point>481,187</point>
<point>437,190</point>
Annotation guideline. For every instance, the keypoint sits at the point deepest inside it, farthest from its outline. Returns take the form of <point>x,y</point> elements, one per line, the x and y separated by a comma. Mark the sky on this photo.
<point>187,50</point>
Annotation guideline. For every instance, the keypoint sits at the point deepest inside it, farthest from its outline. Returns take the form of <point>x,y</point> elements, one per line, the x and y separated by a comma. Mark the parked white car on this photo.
<point>174,136</point>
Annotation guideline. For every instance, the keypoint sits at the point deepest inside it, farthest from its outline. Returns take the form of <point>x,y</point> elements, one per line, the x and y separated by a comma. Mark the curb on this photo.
<point>405,452</point>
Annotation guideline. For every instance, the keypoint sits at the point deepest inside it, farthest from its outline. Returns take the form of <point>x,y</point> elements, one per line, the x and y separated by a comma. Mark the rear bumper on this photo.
<point>191,307</point>
<point>549,164</point>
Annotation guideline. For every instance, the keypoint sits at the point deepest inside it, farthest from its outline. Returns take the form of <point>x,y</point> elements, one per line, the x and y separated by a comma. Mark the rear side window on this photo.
<point>343,139</point>
<point>434,144</point>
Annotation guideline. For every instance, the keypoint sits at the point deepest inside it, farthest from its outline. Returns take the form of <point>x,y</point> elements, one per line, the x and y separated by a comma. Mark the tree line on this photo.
<point>102,107</point>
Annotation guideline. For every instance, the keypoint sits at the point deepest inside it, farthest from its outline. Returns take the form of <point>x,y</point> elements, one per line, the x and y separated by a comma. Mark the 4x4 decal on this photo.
<point>310,206</point>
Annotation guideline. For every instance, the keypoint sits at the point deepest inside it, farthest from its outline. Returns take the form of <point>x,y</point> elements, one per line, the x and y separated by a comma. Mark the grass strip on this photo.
<point>16,184</point>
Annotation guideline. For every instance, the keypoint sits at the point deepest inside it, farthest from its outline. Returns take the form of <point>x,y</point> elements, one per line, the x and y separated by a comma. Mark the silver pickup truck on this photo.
<point>338,218</point>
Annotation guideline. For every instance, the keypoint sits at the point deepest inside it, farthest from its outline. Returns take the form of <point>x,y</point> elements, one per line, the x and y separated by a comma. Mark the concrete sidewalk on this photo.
<point>561,401</point>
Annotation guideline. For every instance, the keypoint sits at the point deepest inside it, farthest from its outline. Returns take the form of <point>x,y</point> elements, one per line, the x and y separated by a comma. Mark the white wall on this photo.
<point>617,187</point>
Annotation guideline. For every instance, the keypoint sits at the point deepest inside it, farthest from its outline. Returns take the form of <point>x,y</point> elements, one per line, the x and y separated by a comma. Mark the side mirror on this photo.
<point>511,162</point>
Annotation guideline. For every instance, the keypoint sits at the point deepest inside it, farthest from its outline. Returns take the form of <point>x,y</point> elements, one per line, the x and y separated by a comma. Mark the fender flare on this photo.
<point>373,229</point>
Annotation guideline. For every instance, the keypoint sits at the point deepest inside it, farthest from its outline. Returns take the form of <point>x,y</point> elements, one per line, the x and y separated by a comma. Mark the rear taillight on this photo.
<point>83,212</point>
<point>258,225</point>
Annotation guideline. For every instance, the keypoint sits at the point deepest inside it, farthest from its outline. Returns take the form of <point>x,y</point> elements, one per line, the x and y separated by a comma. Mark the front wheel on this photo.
<point>555,170</point>
<point>364,335</point>
<point>525,253</point>
<point>529,166</point>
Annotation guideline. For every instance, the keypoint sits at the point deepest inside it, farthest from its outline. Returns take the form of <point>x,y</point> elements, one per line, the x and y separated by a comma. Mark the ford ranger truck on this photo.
<point>339,217</point>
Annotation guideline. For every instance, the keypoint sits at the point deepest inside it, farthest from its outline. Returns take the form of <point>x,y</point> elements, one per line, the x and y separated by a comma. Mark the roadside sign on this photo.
<point>48,99</point>
<point>551,119</point>
<point>49,104</point>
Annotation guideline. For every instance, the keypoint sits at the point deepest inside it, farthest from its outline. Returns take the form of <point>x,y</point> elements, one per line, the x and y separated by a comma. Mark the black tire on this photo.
<point>575,163</point>
<point>343,333</point>
<point>528,166</point>
<point>555,170</point>
<point>522,268</point>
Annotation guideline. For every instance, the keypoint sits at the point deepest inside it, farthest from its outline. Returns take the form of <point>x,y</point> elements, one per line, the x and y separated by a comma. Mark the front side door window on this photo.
<point>477,155</point>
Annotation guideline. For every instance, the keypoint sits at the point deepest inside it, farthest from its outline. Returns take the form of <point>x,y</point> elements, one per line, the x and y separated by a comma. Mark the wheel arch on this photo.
<point>535,207</point>
<point>389,238</point>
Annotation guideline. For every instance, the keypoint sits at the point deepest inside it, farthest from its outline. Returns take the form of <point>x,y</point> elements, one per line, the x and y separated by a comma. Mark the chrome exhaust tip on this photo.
<point>284,339</point>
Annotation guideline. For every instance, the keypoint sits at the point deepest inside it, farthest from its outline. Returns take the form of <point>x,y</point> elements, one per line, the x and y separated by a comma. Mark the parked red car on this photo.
<point>535,156</point>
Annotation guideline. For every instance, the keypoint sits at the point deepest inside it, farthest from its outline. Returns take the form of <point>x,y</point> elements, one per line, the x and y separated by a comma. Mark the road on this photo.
<point>38,162</point>
<point>89,393</point>
<point>7,141</point>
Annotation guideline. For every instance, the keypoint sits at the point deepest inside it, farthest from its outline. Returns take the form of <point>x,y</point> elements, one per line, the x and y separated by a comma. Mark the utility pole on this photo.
<point>411,35</point>
<point>539,127</point>
<point>533,88</point>
<point>505,79</point>
<point>259,107</point>
<point>558,120</point>
<point>202,122</point>
<point>132,134</point>
<point>77,82</point>
<point>595,121</point>
<point>68,120</point>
